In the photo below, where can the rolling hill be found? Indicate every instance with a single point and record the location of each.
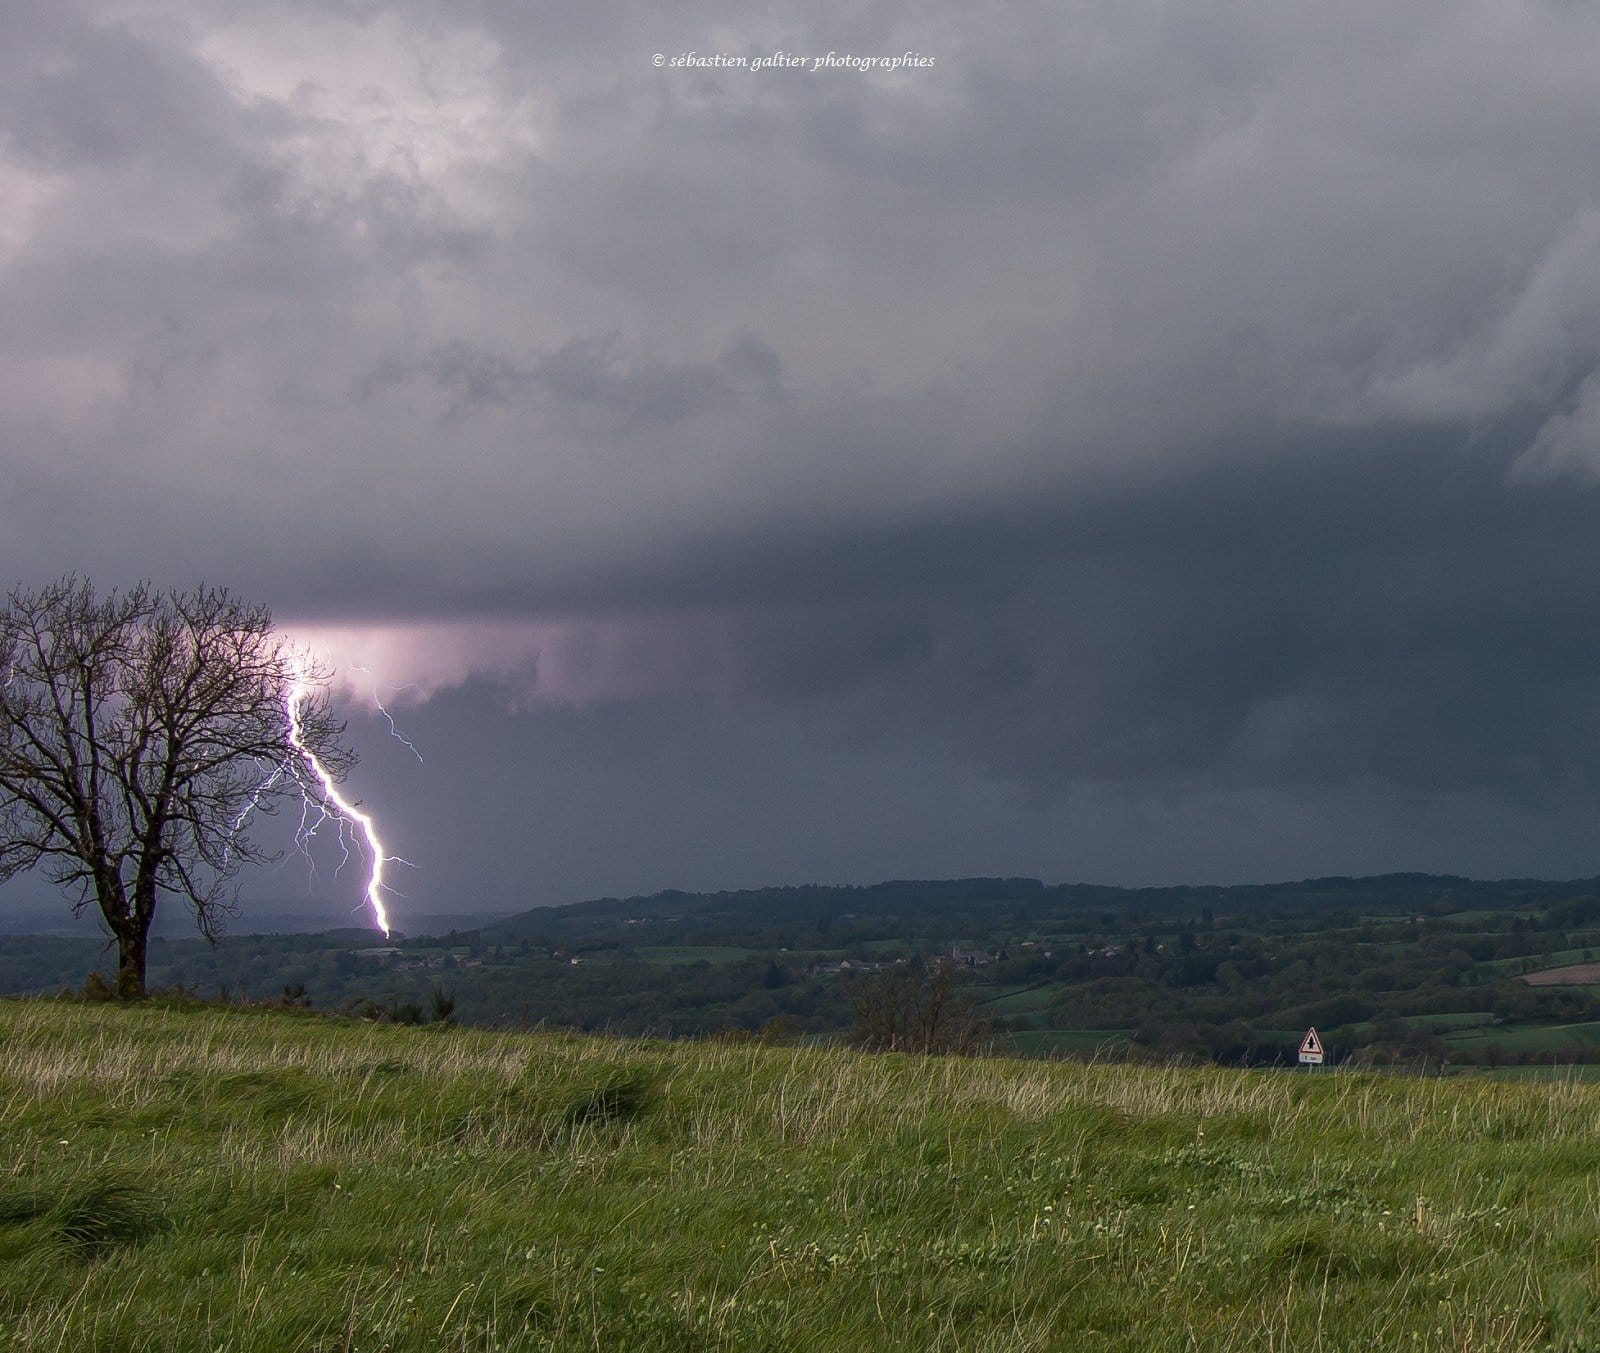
(189, 1177)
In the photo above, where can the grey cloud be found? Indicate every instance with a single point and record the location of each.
(592, 373)
(1192, 400)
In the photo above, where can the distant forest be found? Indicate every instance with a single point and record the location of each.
(1411, 968)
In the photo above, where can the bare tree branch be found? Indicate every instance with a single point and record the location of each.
(910, 1008)
(139, 732)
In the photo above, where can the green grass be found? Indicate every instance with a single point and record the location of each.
(1020, 1000)
(693, 953)
(1488, 914)
(1555, 958)
(1565, 1072)
(1448, 1024)
(248, 1180)
(1535, 1037)
(1464, 1019)
(1042, 1042)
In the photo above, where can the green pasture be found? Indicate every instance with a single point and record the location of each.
(195, 1178)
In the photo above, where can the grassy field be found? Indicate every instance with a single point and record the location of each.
(1528, 1037)
(1581, 1072)
(1021, 1000)
(1465, 1019)
(1043, 1042)
(1555, 958)
(251, 1180)
(1569, 975)
(1462, 1024)
(693, 953)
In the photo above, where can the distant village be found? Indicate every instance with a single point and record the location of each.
(959, 956)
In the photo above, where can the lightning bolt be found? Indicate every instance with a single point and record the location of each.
(384, 710)
(334, 803)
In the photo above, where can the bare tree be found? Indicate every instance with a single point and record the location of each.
(908, 1008)
(139, 731)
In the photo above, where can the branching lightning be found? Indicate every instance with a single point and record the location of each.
(331, 803)
(384, 710)
(320, 799)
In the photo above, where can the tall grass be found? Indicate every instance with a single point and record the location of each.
(205, 1178)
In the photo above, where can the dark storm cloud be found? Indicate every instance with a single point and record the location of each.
(1304, 628)
(1196, 400)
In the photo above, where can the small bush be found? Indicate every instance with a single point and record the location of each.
(405, 1012)
(781, 1031)
(96, 988)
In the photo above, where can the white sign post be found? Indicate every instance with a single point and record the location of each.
(1311, 1049)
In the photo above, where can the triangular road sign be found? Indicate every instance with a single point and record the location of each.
(1311, 1047)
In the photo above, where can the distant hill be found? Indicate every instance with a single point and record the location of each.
(256, 916)
(1423, 968)
(912, 898)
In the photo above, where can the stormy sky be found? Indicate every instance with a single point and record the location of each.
(1147, 443)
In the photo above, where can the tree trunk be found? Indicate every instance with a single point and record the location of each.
(131, 943)
(131, 926)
